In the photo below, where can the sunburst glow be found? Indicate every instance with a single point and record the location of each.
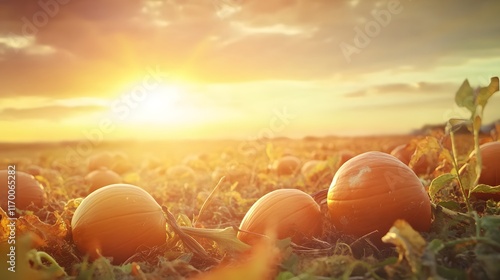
(161, 105)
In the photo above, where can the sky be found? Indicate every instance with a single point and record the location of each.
(162, 69)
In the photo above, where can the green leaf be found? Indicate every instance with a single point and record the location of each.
(225, 238)
(487, 255)
(481, 188)
(454, 125)
(435, 246)
(451, 273)
(440, 182)
(450, 204)
(387, 261)
(465, 96)
(486, 92)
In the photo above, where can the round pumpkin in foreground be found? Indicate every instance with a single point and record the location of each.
(284, 212)
(373, 190)
(117, 221)
(27, 192)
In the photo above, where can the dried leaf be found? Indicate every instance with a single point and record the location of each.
(409, 243)
(485, 93)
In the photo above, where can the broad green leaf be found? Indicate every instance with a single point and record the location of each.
(439, 183)
(450, 204)
(486, 92)
(465, 96)
(491, 224)
(481, 188)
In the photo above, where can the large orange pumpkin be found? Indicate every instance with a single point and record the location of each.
(373, 190)
(102, 177)
(117, 221)
(284, 212)
(28, 191)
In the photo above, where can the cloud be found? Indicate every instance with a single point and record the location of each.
(436, 89)
(99, 49)
(51, 113)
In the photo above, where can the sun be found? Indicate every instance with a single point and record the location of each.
(159, 106)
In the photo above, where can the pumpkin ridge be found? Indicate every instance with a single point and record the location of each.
(267, 209)
(379, 194)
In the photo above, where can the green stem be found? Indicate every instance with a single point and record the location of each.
(479, 161)
(473, 240)
(455, 165)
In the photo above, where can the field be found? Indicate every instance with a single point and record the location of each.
(451, 248)
(421, 206)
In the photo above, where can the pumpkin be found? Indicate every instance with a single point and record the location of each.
(490, 157)
(97, 161)
(373, 190)
(287, 165)
(34, 170)
(117, 221)
(285, 212)
(405, 152)
(101, 177)
(345, 156)
(314, 170)
(490, 172)
(121, 163)
(28, 191)
(180, 172)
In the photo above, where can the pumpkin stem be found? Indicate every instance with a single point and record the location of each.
(207, 201)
